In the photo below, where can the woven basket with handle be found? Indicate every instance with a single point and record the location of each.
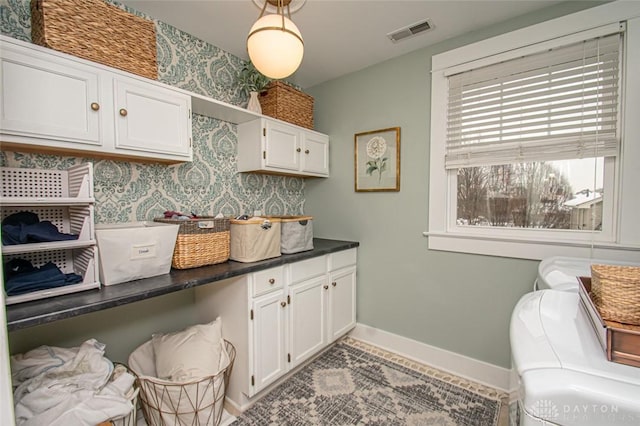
(616, 292)
(98, 32)
(200, 242)
(285, 103)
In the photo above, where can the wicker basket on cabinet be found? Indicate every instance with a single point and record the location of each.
(285, 103)
(98, 32)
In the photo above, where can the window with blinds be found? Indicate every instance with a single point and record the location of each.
(554, 105)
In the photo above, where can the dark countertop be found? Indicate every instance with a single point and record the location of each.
(37, 312)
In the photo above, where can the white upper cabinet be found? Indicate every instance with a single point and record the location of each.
(282, 145)
(151, 119)
(315, 153)
(41, 98)
(272, 146)
(60, 103)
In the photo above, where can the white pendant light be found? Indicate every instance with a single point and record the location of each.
(274, 43)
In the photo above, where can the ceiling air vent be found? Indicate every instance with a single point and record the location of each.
(409, 31)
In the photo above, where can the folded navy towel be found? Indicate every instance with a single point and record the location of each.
(22, 277)
(25, 227)
(27, 218)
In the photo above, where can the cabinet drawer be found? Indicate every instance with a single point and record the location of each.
(268, 280)
(309, 268)
(342, 258)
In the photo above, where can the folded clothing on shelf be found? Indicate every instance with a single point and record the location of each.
(20, 277)
(26, 227)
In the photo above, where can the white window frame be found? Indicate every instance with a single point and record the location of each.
(622, 239)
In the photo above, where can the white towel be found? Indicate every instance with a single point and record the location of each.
(59, 386)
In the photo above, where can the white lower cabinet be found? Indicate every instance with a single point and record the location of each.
(268, 339)
(342, 306)
(307, 319)
(280, 317)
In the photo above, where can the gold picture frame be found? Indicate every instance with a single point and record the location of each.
(377, 160)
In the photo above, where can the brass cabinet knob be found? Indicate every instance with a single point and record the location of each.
(283, 304)
(298, 149)
(306, 151)
(95, 106)
(334, 284)
(272, 281)
(123, 112)
(326, 287)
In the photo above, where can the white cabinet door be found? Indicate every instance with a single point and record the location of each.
(270, 146)
(151, 119)
(306, 319)
(282, 146)
(268, 337)
(315, 153)
(61, 103)
(47, 99)
(342, 302)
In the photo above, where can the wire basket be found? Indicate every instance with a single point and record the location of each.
(616, 292)
(131, 418)
(200, 242)
(197, 403)
(285, 103)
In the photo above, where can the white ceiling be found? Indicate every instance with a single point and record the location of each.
(339, 36)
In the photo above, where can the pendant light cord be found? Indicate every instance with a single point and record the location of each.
(279, 10)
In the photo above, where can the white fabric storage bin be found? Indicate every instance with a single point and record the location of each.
(135, 250)
(296, 234)
(257, 238)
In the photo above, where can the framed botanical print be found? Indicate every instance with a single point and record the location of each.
(377, 160)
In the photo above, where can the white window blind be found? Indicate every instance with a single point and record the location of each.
(558, 104)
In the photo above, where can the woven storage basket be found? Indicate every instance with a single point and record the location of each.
(616, 292)
(97, 31)
(285, 103)
(200, 242)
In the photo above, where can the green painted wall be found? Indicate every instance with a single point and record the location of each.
(461, 303)
(457, 302)
(121, 329)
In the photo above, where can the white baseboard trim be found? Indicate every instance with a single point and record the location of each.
(451, 362)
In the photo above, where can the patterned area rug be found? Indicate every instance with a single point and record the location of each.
(353, 383)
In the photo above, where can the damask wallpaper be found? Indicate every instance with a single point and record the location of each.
(127, 191)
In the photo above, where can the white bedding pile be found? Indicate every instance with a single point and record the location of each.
(58, 386)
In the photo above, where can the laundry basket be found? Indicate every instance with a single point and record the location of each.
(296, 234)
(130, 419)
(198, 402)
(200, 242)
(616, 292)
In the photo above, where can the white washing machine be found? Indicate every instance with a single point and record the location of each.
(563, 375)
(559, 273)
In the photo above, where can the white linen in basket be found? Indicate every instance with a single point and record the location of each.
(188, 354)
(189, 402)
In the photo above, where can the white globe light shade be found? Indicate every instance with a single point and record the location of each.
(274, 52)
